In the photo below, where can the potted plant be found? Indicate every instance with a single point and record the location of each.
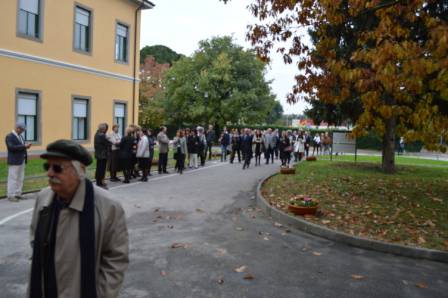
(302, 205)
(287, 170)
(311, 158)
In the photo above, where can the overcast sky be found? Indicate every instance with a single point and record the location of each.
(181, 24)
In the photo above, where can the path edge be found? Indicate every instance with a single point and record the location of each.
(324, 232)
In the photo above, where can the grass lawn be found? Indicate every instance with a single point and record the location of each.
(35, 176)
(399, 159)
(409, 207)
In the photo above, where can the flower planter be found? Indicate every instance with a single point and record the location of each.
(302, 210)
(311, 158)
(288, 171)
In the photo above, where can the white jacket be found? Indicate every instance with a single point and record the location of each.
(143, 147)
(299, 145)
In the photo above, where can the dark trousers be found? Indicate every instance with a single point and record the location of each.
(247, 158)
(269, 154)
(180, 162)
(276, 152)
(114, 163)
(163, 160)
(100, 172)
(202, 156)
(232, 156)
(209, 149)
(144, 164)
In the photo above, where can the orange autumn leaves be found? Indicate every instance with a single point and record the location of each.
(392, 56)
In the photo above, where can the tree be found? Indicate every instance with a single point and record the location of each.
(161, 54)
(151, 111)
(275, 114)
(221, 82)
(389, 56)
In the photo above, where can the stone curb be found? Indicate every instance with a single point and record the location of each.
(321, 231)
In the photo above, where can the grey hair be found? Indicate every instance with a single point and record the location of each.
(79, 168)
(102, 126)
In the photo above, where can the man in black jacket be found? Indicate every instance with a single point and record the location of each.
(210, 136)
(16, 161)
(101, 154)
(246, 147)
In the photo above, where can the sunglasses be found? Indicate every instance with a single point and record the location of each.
(56, 168)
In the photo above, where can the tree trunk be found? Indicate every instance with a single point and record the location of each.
(389, 146)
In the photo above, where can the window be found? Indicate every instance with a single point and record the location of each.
(121, 43)
(82, 29)
(120, 116)
(80, 123)
(27, 113)
(28, 19)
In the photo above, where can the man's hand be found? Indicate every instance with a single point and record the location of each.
(28, 146)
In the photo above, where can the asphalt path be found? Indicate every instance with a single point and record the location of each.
(191, 233)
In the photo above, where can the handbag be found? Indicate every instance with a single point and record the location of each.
(289, 149)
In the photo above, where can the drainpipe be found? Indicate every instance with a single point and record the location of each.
(134, 81)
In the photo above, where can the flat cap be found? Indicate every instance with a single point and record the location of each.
(68, 149)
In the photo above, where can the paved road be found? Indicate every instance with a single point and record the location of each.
(211, 214)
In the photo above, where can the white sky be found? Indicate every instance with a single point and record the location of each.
(181, 24)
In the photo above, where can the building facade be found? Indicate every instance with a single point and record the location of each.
(66, 66)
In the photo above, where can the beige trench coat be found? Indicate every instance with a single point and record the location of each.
(111, 245)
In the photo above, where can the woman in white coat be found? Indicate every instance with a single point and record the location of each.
(143, 154)
(299, 146)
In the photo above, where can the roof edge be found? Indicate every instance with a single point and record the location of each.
(144, 4)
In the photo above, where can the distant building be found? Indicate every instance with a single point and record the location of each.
(67, 66)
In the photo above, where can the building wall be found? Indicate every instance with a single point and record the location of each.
(53, 68)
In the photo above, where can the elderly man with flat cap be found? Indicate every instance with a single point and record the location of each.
(78, 233)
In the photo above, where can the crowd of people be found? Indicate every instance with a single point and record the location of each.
(247, 144)
(133, 153)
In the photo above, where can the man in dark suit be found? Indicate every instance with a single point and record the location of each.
(16, 161)
(101, 145)
(246, 147)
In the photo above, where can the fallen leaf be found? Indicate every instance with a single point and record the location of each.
(241, 269)
(421, 240)
(429, 223)
(170, 227)
(220, 281)
(405, 282)
(266, 238)
(163, 273)
(200, 210)
(180, 245)
(221, 252)
(248, 276)
(421, 285)
(239, 229)
(357, 277)
(278, 225)
(317, 253)
(156, 210)
(137, 206)
(326, 221)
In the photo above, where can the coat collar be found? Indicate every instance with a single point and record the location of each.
(77, 202)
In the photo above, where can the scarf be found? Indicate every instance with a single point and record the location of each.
(43, 275)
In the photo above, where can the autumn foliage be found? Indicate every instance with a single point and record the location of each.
(390, 56)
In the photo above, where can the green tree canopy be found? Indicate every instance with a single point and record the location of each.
(162, 54)
(221, 82)
(275, 114)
